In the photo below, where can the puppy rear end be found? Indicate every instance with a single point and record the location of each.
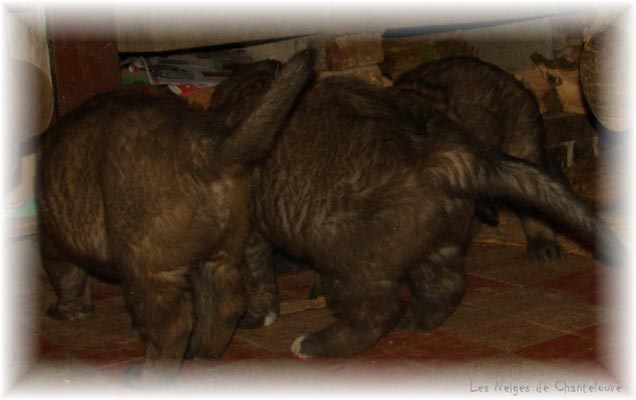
(136, 187)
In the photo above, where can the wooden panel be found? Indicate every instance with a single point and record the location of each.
(83, 62)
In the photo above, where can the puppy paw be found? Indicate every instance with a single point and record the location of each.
(140, 376)
(204, 347)
(297, 348)
(544, 250)
(407, 324)
(270, 319)
(132, 375)
(68, 315)
(418, 319)
(251, 321)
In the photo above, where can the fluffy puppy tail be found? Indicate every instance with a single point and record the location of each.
(253, 137)
(492, 174)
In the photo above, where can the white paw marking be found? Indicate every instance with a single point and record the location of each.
(269, 319)
(295, 347)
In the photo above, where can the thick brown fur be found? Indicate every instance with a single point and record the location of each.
(375, 188)
(233, 99)
(497, 109)
(482, 98)
(147, 190)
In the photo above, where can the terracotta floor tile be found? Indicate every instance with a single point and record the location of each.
(568, 315)
(378, 353)
(96, 340)
(590, 285)
(103, 355)
(79, 341)
(479, 289)
(118, 372)
(377, 372)
(387, 349)
(596, 332)
(522, 300)
(199, 366)
(447, 349)
(369, 358)
(48, 349)
(579, 283)
(611, 333)
(564, 350)
(278, 337)
(467, 318)
(511, 265)
(194, 367)
(295, 285)
(60, 378)
(595, 298)
(90, 331)
(496, 315)
(516, 302)
(236, 376)
(390, 347)
(372, 355)
(510, 334)
(242, 349)
(398, 336)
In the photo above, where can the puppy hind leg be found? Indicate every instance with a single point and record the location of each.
(541, 241)
(162, 310)
(437, 285)
(218, 303)
(317, 289)
(70, 282)
(261, 290)
(364, 311)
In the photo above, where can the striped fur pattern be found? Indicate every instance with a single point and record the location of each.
(493, 106)
(377, 188)
(151, 192)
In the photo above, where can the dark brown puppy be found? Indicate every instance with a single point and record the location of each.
(497, 109)
(147, 190)
(375, 188)
(486, 101)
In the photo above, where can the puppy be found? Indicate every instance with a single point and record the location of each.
(487, 102)
(493, 106)
(144, 189)
(376, 188)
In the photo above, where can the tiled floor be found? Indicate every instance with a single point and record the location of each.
(515, 315)
(520, 323)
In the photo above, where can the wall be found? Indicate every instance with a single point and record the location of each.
(29, 109)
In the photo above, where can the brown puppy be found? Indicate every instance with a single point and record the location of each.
(497, 109)
(487, 102)
(147, 190)
(374, 188)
